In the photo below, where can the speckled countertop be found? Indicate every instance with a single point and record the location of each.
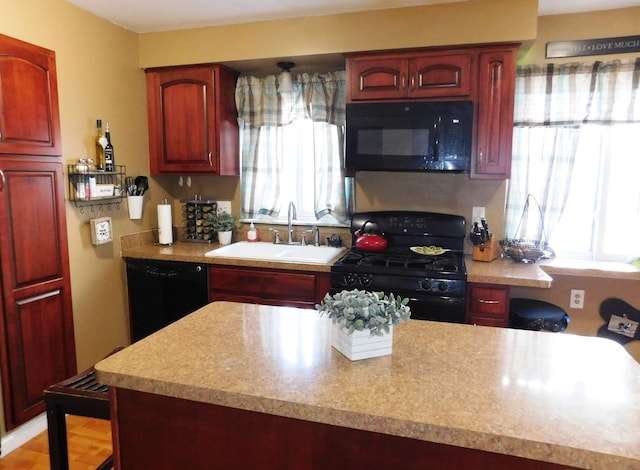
(507, 272)
(561, 398)
(499, 271)
(141, 246)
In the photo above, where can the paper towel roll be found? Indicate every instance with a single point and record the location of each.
(165, 231)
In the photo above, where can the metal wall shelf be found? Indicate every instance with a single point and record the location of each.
(80, 193)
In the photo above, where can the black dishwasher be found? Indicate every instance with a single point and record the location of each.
(161, 292)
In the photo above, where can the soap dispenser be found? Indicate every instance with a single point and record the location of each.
(252, 234)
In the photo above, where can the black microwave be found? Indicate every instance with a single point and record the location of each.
(409, 136)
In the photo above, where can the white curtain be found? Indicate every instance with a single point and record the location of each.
(555, 105)
(264, 115)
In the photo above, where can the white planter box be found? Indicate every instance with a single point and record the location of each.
(359, 344)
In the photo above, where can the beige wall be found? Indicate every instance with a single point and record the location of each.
(594, 25)
(455, 23)
(100, 76)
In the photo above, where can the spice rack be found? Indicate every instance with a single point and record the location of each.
(198, 225)
(107, 186)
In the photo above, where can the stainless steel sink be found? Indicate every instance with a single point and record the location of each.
(276, 252)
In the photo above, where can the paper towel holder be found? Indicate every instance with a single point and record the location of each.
(157, 231)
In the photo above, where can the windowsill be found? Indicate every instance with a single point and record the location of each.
(589, 268)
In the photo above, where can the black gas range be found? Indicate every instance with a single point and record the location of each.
(434, 284)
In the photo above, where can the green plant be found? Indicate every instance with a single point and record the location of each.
(359, 310)
(223, 221)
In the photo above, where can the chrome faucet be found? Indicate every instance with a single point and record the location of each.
(316, 236)
(291, 214)
(276, 236)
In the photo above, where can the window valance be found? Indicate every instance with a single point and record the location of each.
(576, 93)
(319, 97)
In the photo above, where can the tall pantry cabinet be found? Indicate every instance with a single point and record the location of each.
(37, 345)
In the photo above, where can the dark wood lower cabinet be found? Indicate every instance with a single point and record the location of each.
(37, 345)
(153, 431)
(267, 286)
(488, 304)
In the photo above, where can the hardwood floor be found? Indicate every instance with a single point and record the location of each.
(89, 442)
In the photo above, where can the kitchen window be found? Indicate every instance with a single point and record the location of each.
(576, 135)
(292, 149)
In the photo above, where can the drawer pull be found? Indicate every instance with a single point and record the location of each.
(492, 302)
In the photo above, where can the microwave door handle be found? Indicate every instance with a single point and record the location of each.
(436, 144)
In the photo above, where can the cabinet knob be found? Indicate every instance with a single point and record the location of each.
(210, 163)
(2, 180)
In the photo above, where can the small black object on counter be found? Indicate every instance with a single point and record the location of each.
(334, 240)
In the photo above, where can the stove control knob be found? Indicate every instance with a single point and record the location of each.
(442, 286)
(425, 285)
(350, 279)
(365, 279)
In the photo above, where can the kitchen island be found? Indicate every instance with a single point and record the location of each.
(248, 386)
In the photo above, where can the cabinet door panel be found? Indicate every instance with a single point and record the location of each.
(180, 115)
(441, 76)
(373, 78)
(265, 283)
(495, 114)
(193, 126)
(38, 346)
(32, 204)
(29, 120)
(32, 315)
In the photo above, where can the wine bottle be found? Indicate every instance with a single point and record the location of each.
(101, 142)
(109, 162)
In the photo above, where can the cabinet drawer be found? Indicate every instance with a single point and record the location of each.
(263, 283)
(489, 301)
(488, 304)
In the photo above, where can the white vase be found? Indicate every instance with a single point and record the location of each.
(360, 344)
(224, 238)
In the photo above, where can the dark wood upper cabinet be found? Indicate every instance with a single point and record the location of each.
(496, 90)
(417, 75)
(484, 74)
(29, 119)
(193, 124)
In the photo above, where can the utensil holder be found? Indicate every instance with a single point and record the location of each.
(135, 206)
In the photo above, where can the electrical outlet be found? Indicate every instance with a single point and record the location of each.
(577, 298)
(477, 214)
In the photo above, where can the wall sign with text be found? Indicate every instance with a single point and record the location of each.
(583, 47)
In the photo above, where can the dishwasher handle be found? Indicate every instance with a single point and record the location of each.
(168, 270)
